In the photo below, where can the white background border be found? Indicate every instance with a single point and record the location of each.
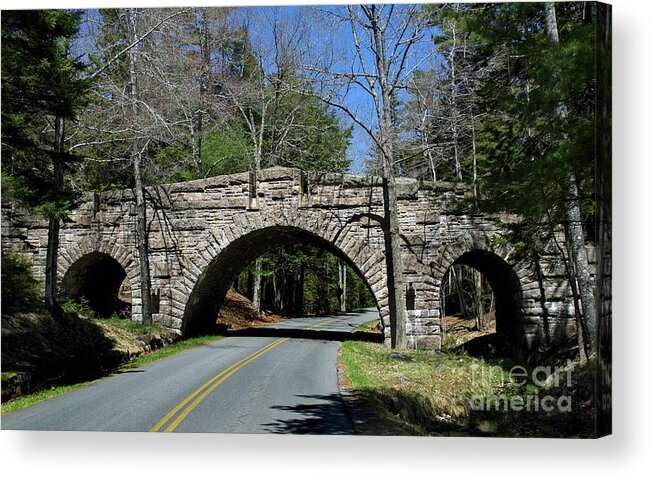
(122, 454)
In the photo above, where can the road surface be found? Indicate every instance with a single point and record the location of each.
(284, 381)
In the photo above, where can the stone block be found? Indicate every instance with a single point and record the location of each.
(161, 269)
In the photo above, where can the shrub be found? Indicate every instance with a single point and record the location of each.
(19, 287)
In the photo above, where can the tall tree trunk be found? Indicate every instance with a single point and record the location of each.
(457, 271)
(54, 223)
(453, 103)
(475, 188)
(478, 281)
(257, 286)
(573, 212)
(579, 257)
(197, 136)
(395, 281)
(196, 132)
(136, 159)
(342, 287)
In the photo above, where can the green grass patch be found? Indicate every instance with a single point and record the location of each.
(131, 327)
(437, 394)
(27, 400)
(419, 386)
(372, 326)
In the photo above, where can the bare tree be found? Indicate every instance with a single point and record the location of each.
(136, 160)
(441, 111)
(382, 38)
(258, 95)
(187, 64)
(129, 115)
(265, 88)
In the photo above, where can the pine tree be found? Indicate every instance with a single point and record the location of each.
(41, 89)
(536, 144)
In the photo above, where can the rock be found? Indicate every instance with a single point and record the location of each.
(15, 384)
(401, 357)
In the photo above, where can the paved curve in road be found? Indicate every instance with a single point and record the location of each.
(240, 384)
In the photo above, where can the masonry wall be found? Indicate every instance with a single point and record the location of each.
(198, 227)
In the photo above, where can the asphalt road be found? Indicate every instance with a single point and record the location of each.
(275, 383)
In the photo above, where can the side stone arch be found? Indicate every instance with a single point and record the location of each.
(513, 281)
(253, 233)
(86, 247)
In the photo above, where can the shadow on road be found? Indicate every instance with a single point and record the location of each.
(327, 417)
(330, 335)
(285, 330)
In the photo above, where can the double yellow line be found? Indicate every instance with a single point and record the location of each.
(196, 397)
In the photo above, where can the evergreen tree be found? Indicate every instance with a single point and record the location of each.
(41, 89)
(535, 140)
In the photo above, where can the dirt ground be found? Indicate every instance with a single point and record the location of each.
(237, 313)
(464, 329)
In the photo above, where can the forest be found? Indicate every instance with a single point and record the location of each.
(501, 97)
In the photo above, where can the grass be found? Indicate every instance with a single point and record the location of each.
(371, 326)
(131, 327)
(176, 348)
(420, 387)
(438, 394)
(27, 400)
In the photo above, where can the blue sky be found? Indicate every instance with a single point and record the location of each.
(421, 55)
(341, 37)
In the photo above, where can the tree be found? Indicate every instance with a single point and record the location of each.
(382, 38)
(128, 113)
(286, 125)
(41, 87)
(535, 140)
(571, 202)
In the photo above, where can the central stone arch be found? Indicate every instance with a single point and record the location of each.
(231, 248)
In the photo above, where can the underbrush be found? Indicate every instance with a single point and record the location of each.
(456, 394)
(44, 355)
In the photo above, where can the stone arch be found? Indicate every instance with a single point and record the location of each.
(207, 274)
(510, 280)
(95, 270)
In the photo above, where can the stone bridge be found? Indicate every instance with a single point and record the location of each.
(202, 233)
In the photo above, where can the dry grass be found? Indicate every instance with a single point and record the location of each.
(237, 313)
(433, 394)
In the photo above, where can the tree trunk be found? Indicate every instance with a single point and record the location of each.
(478, 281)
(257, 286)
(457, 271)
(475, 188)
(54, 223)
(453, 101)
(197, 153)
(196, 132)
(581, 339)
(579, 257)
(141, 212)
(573, 213)
(342, 287)
(395, 280)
